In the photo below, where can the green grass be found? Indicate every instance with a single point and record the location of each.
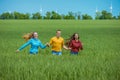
(100, 59)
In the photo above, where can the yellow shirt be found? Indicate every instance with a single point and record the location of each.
(57, 43)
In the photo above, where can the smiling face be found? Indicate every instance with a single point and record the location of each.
(76, 36)
(35, 35)
(58, 33)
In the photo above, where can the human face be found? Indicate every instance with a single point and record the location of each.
(58, 34)
(35, 34)
(76, 36)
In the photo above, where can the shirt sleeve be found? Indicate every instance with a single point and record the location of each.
(70, 44)
(81, 46)
(50, 41)
(42, 46)
(62, 42)
(25, 45)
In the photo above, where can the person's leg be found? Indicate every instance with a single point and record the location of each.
(54, 53)
(73, 53)
(31, 53)
(59, 53)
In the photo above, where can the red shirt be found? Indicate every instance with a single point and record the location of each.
(75, 45)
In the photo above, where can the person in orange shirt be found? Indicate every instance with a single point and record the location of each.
(57, 43)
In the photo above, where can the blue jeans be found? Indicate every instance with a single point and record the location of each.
(74, 53)
(34, 53)
(56, 52)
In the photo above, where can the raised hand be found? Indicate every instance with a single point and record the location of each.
(17, 51)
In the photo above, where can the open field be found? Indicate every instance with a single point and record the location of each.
(100, 59)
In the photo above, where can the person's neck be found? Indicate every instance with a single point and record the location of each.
(58, 36)
(35, 38)
(76, 39)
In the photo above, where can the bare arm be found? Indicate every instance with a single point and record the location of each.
(66, 47)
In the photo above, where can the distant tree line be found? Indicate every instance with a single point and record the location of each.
(54, 15)
(105, 15)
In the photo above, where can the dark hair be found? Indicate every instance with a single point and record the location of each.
(73, 36)
(58, 30)
(68, 41)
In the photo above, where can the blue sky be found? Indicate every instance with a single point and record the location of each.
(61, 6)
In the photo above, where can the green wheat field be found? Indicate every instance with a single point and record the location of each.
(100, 59)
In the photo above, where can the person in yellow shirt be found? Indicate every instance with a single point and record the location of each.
(57, 43)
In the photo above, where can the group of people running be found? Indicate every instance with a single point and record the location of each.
(57, 43)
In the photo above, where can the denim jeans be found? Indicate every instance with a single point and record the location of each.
(34, 53)
(74, 53)
(56, 53)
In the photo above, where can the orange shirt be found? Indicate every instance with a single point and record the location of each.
(57, 43)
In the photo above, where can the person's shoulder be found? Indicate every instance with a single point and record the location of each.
(33, 39)
(53, 37)
(30, 39)
(79, 41)
(61, 38)
(39, 40)
(73, 40)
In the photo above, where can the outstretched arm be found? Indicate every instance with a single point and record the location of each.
(42, 46)
(23, 46)
(66, 47)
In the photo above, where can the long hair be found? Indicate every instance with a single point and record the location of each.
(68, 41)
(28, 36)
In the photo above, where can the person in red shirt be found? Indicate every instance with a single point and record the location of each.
(75, 44)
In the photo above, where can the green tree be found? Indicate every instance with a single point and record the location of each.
(70, 15)
(27, 16)
(109, 16)
(16, 15)
(78, 15)
(119, 16)
(55, 15)
(114, 17)
(48, 15)
(86, 17)
(21, 16)
(36, 15)
(106, 15)
(6, 15)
